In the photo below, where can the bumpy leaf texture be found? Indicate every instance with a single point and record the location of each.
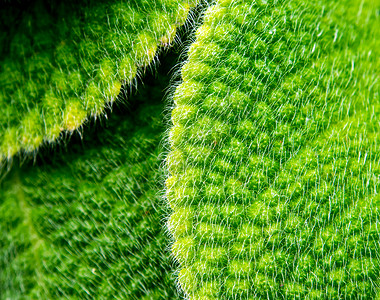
(63, 61)
(273, 167)
(275, 155)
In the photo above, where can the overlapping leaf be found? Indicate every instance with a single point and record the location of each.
(63, 61)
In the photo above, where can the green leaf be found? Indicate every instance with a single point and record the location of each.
(284, 101)
(64, 62)
(86, 222)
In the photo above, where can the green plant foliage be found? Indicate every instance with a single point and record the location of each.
(274, 163)
(62, 62)
(87, 223)
(273, 170)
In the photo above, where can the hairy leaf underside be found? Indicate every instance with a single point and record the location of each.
(274, 160)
